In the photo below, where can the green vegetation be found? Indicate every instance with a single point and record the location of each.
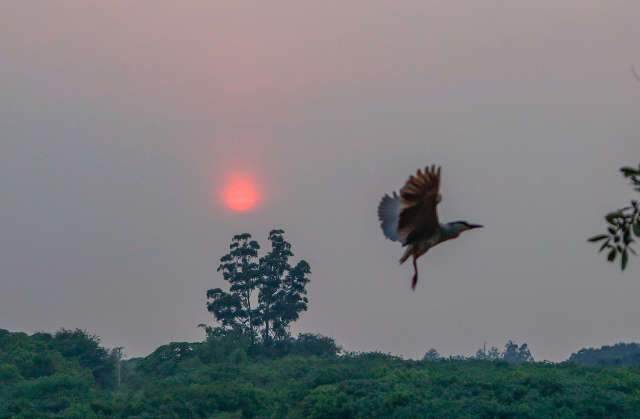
(58, 375)
(67, 375)
(512, 354)
(618, 354)
(622, 225)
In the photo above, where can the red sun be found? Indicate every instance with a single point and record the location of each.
(241, 194)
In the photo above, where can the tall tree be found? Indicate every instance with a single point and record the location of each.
(292, 298)
(516, 355)
(431, 355)
(235, 310)
(623, 224)
(493, 354)
(281, 289)
(273, 270)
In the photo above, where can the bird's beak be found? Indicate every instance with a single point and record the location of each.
(472, 226)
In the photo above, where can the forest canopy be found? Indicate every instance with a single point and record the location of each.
(70, 375)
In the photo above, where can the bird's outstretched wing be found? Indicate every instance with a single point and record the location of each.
(419, 198)
(389, 216)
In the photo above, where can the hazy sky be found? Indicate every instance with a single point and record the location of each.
(120, 121)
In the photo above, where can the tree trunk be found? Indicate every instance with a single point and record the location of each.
(248, 297)
(267, 338)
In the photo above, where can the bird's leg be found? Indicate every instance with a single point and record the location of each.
(414, 280)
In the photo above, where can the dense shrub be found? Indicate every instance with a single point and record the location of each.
(54, 376)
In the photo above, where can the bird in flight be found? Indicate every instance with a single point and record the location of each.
(411, 218)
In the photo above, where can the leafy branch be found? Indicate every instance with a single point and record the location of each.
(623, 225)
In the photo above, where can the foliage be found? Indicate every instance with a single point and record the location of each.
(431, 355)
(219, 344)
(378, 385)
(493, 354)
(273, 267)
(87, 350)
(623, 225)
(227, 377)
(280, 288)
(618, 354)
(234, 309)
(164, 360)
(309, 344)
(58, 375)
(515, 354)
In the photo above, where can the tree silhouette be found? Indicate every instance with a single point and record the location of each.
(431, 355)
(292, 298)
(622, 225)
(281, 289)
(273, 268)
(516, 355)
(234, 310)
(493, 354)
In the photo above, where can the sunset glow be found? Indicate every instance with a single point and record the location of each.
(241, 194)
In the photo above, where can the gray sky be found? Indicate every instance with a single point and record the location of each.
(121, 121)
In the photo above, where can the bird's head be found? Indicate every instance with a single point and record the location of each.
(461, 226)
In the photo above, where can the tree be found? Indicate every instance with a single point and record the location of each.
(273, 268)
(524, 353)
(314, 344)
(281, 289)
(117, 355)
(516, 355)
(165, 359)
(90, 354)
(493, 354)
(618, 354)
(431, 355)
(234, 310)
(292, 298)
(623, 224)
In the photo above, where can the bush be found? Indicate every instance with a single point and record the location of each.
(313, 344)
(9, 374)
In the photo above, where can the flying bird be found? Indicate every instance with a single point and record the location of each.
(411, 218)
